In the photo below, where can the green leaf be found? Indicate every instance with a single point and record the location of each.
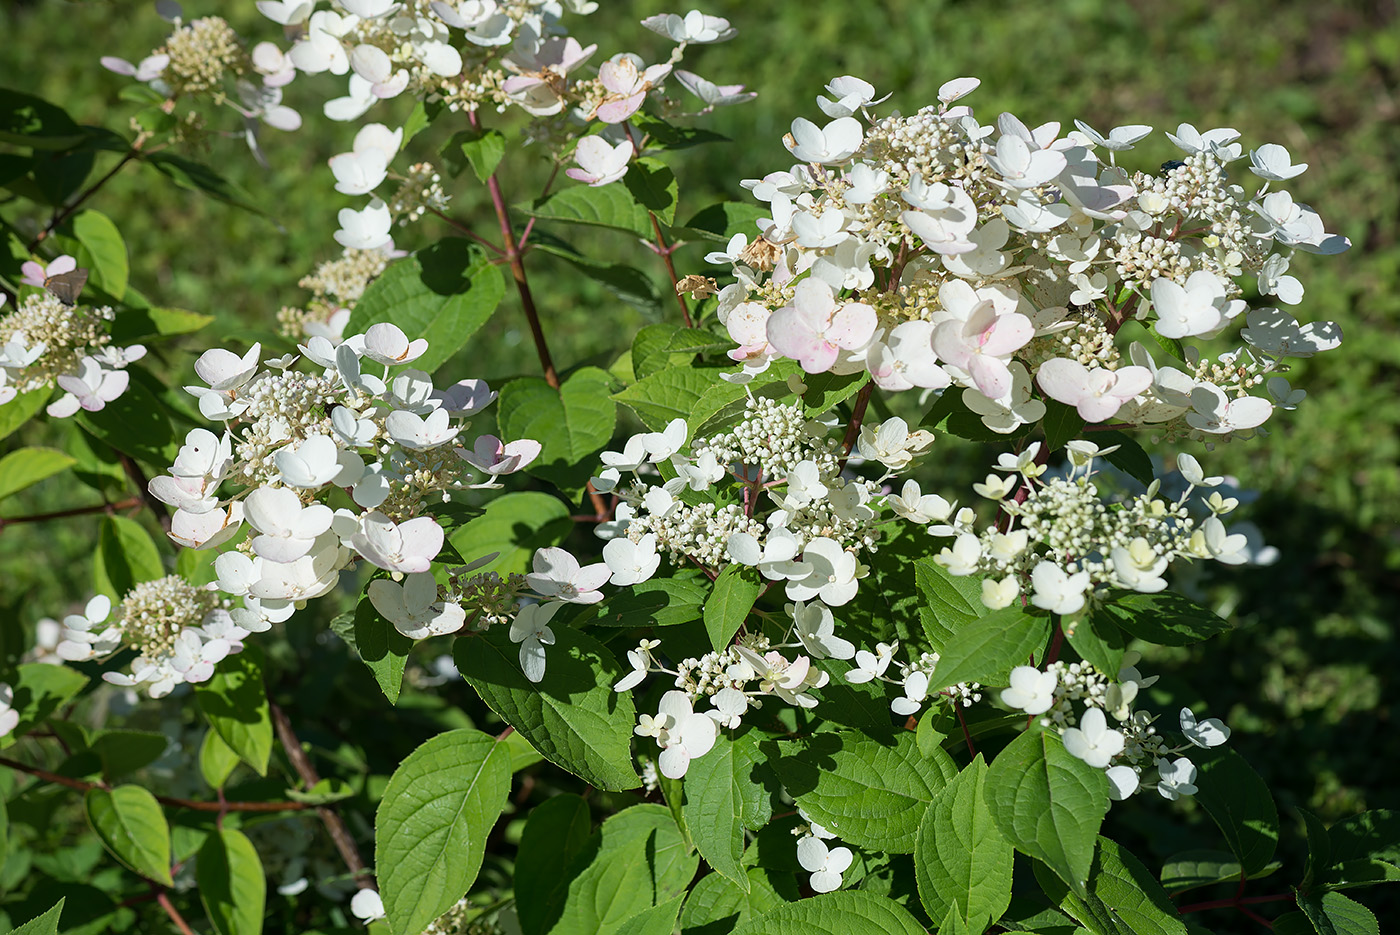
(1335, 914)
(717, 787)
(571, 423)
(611, 206)
(573, 717)
(232, 884)
(1373, 835)
(431, 827)
(132, 324)
(628, 283)
(1319, 847)
(637, 860)
(482, 149)
(39, 691)
(950, 604)
(21, 409)
(197, 177)
(825, 390)
(132, 827)
(382, 648)
(27, 466)
(668, 394)
(4, 832)
(1130, 458)
(851, 912)
(1048, 804)
(961, 861)
(951, 415)
(658, 920)
(1349, 873)
(420, 118)
(1122, 898)
(987, 651)
(868, 793)
(46, 924)
(235, 704)
(26, 120)
(1191, 869)
(1061, 424)
(1240, 802)
(716, 906)
(670, 136)
(721, 221)
(657, 602)
(443, 293)
(103, 252)
(515, 525)
(1167, 618)
(323, 793)
(556, 832)
(216, 759)
(651, 350)
(136, 423)
(652, 183)
(123, 751)
(729, 605)
(126, 556)
(1099, 642)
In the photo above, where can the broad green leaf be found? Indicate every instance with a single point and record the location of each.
(825, 390)
(716, 906)
(1167, 618)
(1360, 872)
(443, 293)
(729, 604)
(851, 912)
(611, 206)
(235, 704)
(1319, 847)
(123, 751)
(949, 603)
(46, 924)
(668, 394)
(134, 323)
(198, 177)
(861, 706)
(1335, 914)
(1048, 803)
(481, 149)
(658, 602)
(126, 556)
(1191, 869)
(232, 884)
(868, 793)
(961, 861)
(1373, 835)
(21, 409)
(522, 755)
(103, 252)
(26, 120)
(671, 136)
(323, 792)
(721, 221)
(421, 117)
(132, 827)
(951, 415)
(1099, 642)
(136, 423)
(431, 827)
(653, 185)
(1241, 804)
(27, 466)
(514, 525)
(39, 691)
(573, 717)
(571, 423)
(628, 283)
(658, 920)
(1061, 424)
(216, 759)
(1122, 897)
(382, 648)
(651, 351)
(4, 833)
(717, 786)
(1130, 458)
(556, 832)
(986, 651)
(637, 860)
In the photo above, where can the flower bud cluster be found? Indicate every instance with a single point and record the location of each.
(336, 285)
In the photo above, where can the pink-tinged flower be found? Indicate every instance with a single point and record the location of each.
(557, 574)
(627, 86)
(981, 345)
(149, 68)
(91, 388)
(747, 323)
(542, 70)
(600, 163)
(905, 359)
(713, 95)
(407, 547)
(813, 330)
(36, 274)
(413, 607)
(490, 455)
(1097, 394)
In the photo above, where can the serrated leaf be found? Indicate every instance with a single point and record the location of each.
(28, 466)
(1048, 804)
(481, 149)
(232, 884)
(868, 793)
(1371, 835)
(651, 350)
(1319, 847)
(136, 423)
(1061, 424)
(658, 920)
(950, 604)
(1241, 804)
(1361, 872)
(986, 651)
(1130, 458)
(21, 409)
(431, 827)
(961, 861)
(124, 751)
(637, 860)
(668, 394)
(1167, 618)
(443, 293)
(381, 647)
(850, 912)
(825, 390)
(103, 252)
(1099, 642)
(1122, 897)
(653, 184)
(657, 602)
(611, 206)
(132, 827)
(719, 222)
(46, 924)
(628, 283)
(39, 690)
(571, 423)
(26, 120)
(556, 832)
(729, 604)
(717, 785)
(235, 704)
(126, 556)
(716, 906)
(1190, 869)
(573, 718)
(514, 525)
(216, 759)
(197, 177)
(1335, 914)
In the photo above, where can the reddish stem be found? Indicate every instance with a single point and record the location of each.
(108, 508)
(1234, 902)
(853, 430)
(170, 910)
(664, 251)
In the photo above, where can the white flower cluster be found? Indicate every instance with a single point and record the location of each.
(178, 631)
(290, 438)
(913, 678)
(9, 717)
(49, 340)
(336, 286)
(933, 251)
(1131, 751)
(1059, 539)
